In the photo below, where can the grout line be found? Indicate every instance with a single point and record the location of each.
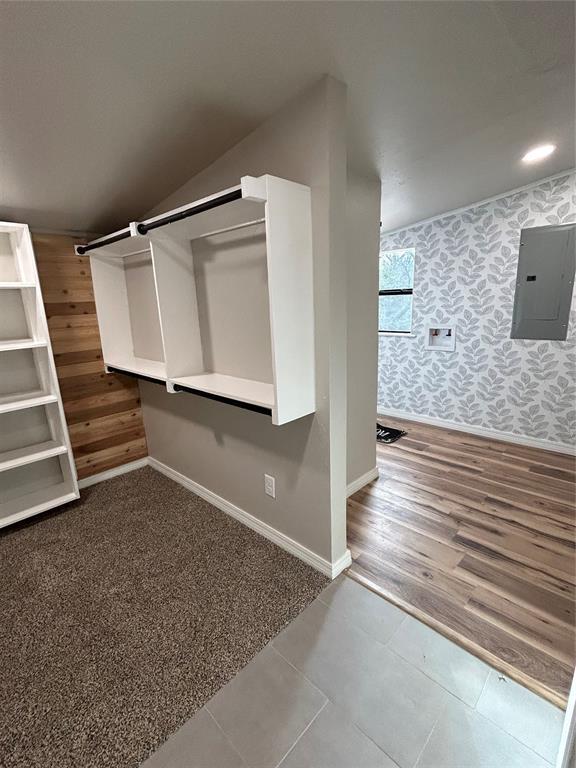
(398, 628)
(367, 735)
(325, 704)
(344, 615)
(428, 738)
(510, 735)
(300, 672)
(217, 724)
(398, 655)
(342, 708)
(475, 707)
(450, 693)
(437, 682)
(335, 704)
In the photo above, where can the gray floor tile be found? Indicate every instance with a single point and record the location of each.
(332, 741)
(527, 717)
(265, 708)
(391, 701)
(198, 744)
(463, 738)
(454, 668)
(366, 610)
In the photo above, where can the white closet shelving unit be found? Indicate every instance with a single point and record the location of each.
(37, 469)
(215, 298)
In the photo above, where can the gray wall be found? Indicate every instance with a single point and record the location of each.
(226, 449)
(465, 273)
(363, 216)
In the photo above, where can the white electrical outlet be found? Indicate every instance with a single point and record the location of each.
(270, 485)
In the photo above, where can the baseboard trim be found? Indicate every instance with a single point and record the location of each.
(114, 472)
(507, 437)
(360, 482)
(285, 542)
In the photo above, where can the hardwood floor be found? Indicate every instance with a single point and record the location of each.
(476, 537)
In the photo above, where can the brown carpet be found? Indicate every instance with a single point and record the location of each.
(124, 613)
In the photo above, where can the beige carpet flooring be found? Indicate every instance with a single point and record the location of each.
(123, 613)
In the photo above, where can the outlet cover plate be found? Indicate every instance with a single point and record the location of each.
(270, 485)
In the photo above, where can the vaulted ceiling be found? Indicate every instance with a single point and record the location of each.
(106, 108)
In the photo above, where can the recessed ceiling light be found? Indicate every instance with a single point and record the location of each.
(541, 152)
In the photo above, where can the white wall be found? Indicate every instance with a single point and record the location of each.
(226, 449)
(363, 217)
(465, 274)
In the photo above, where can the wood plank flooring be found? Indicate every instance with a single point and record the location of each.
(476, 537)
(102, 410)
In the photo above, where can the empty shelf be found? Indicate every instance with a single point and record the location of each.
(30, 454)
(15, 284)
(35, 502)
(244, 390)
(141, 366)
(8, 404)
(8, 346)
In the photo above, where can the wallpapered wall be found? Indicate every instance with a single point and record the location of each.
(465, 274)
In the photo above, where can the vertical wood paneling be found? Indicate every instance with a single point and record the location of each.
(102, 410)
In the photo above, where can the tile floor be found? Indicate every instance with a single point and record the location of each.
(354, 682)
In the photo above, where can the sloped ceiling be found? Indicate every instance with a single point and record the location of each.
(106, 108)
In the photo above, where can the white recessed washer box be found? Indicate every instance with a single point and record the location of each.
(441, 338)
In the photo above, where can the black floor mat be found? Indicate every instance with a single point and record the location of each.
(386, 434)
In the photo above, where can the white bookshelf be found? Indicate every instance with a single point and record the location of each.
(36, 464)
(217, 303)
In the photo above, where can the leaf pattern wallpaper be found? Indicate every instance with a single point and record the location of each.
(465, 275)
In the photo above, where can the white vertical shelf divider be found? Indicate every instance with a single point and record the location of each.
(178, 305)
(37, 470)
(290, 287)
(160, 332)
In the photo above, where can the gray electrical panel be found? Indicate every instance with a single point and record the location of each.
(544, 283)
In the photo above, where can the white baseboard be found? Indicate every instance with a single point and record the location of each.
(114, 472)
(361, 481)
(495, 434)
(331, 569)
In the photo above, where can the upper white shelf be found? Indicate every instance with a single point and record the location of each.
(257, 393)
(28, 455)
(9, 346)
(216, 297)
(10, 285)
(8, 404)
(153, 369)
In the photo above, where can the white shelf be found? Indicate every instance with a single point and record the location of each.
(36, 502)
(30, 454)
(19, 403)
(243, 390)
(9, 346)
(141, 366)
(10, 286)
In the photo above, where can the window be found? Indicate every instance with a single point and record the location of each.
(396, 284)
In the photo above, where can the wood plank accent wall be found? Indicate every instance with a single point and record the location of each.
(102, 410)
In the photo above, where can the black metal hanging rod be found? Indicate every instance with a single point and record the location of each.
(146, 226)
(82, 249)
(216, 202)
(132, 375)
(222, 399)
(191, 390)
